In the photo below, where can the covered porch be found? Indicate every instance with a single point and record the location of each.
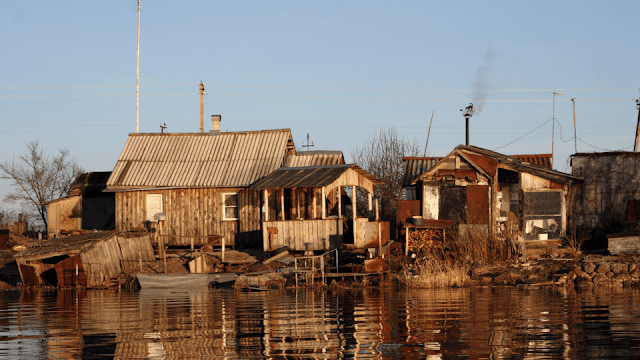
(307, 208)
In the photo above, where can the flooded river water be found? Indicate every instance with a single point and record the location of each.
(372, 323)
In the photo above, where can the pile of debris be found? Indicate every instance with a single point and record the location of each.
(425, 240)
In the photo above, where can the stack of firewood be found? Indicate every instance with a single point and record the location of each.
(425, 239)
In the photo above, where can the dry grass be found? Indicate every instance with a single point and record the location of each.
(575, 241)
(451, 266)
(432, 272)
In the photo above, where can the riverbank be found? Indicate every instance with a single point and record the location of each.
(478, 263)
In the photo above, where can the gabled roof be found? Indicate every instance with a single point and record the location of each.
(314, 177)
(315, 158)
(416, 166)
(487, 162)
(229, 159)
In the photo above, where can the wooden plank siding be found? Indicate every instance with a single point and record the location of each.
(324, 234)
(193, 213)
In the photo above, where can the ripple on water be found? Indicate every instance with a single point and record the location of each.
(497, 322)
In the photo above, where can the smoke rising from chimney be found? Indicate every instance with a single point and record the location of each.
(480, 85)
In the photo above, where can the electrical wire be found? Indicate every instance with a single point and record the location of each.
(595, 147)
(311, 88)
(539, 126)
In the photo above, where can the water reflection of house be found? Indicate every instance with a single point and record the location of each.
(86, 207)
(475, 187)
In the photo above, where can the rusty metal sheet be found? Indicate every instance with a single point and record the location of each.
(4, 239)
(374, 265)
(29, 276)
(633, 210)
(66, 272)
(477, 204)
(371, 234)
(405, 209)
(486, 163)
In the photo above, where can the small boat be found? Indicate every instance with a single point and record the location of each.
(186, 280)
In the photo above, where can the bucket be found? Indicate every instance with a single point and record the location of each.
(417, 220)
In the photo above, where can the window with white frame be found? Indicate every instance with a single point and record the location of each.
(230, 202)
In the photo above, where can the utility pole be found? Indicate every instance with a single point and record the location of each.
(553, 131)
(635, 146)
(138, 76)
(201, 107)
(575, 136)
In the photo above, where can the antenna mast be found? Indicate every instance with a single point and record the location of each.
(201, 107)
(138, 76)
(308, 145)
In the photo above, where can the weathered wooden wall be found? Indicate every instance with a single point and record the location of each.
(110, 257)
(193, 214)
(64, 215)
(324, 234)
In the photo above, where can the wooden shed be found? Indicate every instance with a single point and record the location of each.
(302, 208)
(199, 181)
(499, 194)
(86, 207)
(83, 260)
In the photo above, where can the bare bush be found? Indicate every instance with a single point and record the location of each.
(37, 178)
(381, 156)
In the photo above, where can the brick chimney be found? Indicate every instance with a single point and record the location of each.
(215, 121)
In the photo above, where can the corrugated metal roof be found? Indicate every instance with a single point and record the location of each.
(315, 158)
(230, 159)
(517, 164)
(308, 177)
(538, 159)
(416, 166)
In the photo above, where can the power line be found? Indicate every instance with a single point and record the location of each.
(312, 88)
(595, 147)
(539, 126)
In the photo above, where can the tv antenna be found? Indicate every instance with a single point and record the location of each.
(162, 127)
(308, 145)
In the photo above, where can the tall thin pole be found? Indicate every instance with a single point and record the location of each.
(201, 108)
(138, 76)
(553, 131)
(428, 134)
(575, 134)
(635, 146)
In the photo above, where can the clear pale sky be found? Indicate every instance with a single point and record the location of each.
(338, 70)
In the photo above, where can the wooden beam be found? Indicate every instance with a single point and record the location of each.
(324, 204)
(353, 212)
(282, 203)
(377, 210)
(339, 192)
(369, 201)
(315, 216)
(265, 195)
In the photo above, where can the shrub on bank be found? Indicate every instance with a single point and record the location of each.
(451, 264)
